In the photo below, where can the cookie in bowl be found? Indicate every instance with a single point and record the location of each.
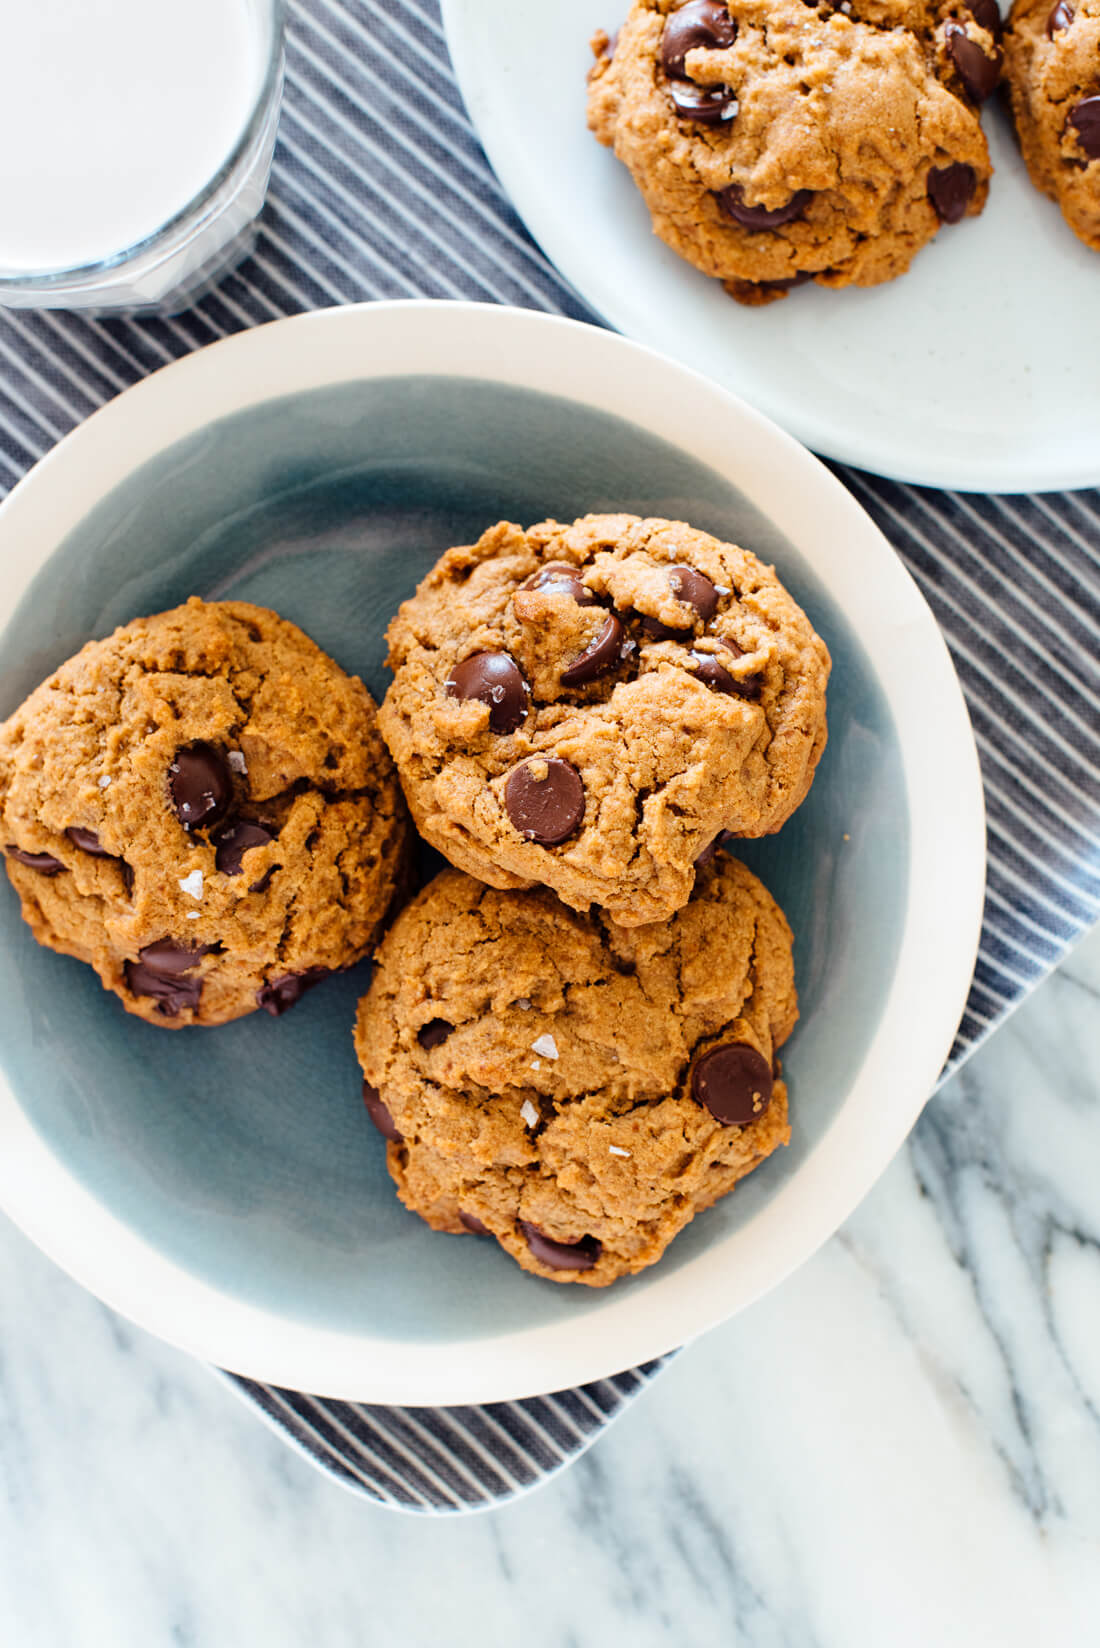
(1053, 55)
(589, 706)
(780, 141)
(201, 808)
(575, 1089)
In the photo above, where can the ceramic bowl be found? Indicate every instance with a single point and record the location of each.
(224, 1188)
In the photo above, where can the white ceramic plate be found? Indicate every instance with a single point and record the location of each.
(976, 370)
(223, 1187)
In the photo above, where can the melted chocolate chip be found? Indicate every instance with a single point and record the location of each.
(1084, 117)
(559, 578)
(434, 1033)
(602, 653)
(127, 876)
(264, 882)
(580, 1255)
(734, 1082)
(987, 15)
(87, 841)
(160, 972)
(278, 995)
(1061, 16)
(700, 23)
(951, 189)
(696, 589)
(657, 631)
(712, 674)
(732, 202)
(45, 863)
(201, 785)
(473, 1224)
(496, 680)
(705, 105)
(978, 73)
(235, 839)
(544, 798)
(379, 1114)
(712, 849)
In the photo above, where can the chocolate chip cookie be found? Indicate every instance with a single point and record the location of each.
(781, 141)
(590, 706)
(575, 1089)
(201, 808)
(1053, 57)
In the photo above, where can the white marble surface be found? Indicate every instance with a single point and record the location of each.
(899, 1447)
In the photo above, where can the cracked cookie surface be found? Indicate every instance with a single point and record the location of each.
(201, 808)
(589, 706)
(776, 141)
(575, 1089)
(1053, 66)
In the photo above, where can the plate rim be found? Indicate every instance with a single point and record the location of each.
(553, 355)
(599, 296)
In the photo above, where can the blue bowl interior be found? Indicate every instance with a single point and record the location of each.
(244, 1153)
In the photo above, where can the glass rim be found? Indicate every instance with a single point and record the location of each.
(171, 229)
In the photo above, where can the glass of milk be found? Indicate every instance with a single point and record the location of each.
(135, 147)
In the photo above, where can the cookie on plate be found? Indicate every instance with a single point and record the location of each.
(201, 808)
(1053, 66)
(590, 706)
(577, 1090)
(780, 141)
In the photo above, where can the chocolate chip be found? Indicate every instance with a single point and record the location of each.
(544, 798)
(710, 672)
(45, 863)
(712, 849)
(159, 973)
(951, 189)
(496, 680)
(580, 1255)
(235, 839)
(201, 783)
(601, 654)
(261, 886)
(987, 16)
(87, 841)
(657, 631)
(434, 1032)
(978, 73)
(379, 1114)
(706, 105)
(732, 202)
(473, 1224)
(696, 589)
(734, 1082)
(1084, 117)
(559, 578)
(278, 995)
(1061, 16)
(700, 23)
(127, 876)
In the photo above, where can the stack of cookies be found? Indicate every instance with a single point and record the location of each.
(570, 1038)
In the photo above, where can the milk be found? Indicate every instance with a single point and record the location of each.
(114, 114)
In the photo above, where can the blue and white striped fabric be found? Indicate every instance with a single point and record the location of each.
(380, 190)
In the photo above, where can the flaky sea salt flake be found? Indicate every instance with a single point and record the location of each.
(523, 1004)
(192, 884)
(529, 1113)
(104, 781)
(546, 1046)
(617, 1150)
(237, 761)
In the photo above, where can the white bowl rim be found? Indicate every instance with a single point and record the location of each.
(526, 348)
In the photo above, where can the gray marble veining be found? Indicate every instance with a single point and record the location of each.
(901, 1446)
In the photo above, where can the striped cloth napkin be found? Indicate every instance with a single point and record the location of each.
(380, 190)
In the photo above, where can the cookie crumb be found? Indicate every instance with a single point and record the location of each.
(546, 1046)
(529, 1113)
(192, 884)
